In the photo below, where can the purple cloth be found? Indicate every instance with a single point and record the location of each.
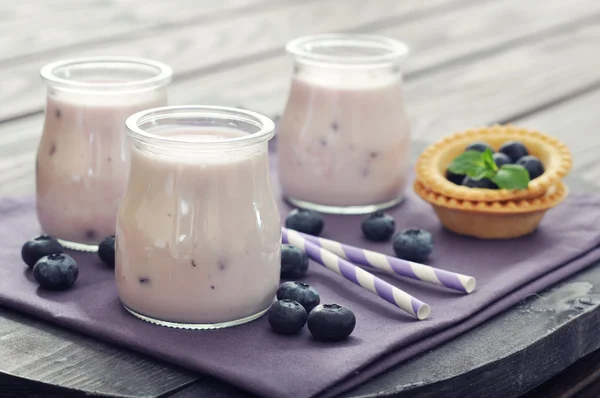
(255, 359)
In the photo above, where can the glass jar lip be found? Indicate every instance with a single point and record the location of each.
(302, 48)
(163, 76)
(266, 126)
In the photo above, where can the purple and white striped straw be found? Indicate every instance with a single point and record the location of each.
(396, 266)
(358, 276)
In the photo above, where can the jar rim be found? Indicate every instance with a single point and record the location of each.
(263, 123)
(303, 48)
(163, 76)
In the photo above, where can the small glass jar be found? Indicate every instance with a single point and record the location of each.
(198, 231)
(83, 155)
(343, 141)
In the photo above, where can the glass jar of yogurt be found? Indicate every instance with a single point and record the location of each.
(198, 230)
(83, 156)
(343, 140)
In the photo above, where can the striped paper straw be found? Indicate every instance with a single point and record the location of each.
(396, 266)
(358, 276)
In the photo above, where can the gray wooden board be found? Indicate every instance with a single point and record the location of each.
(35, 27)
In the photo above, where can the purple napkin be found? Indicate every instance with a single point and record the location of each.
(255, 359)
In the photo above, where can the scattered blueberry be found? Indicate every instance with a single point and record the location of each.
(331, 322)
(479, 146)
(483, 183)
(39, 247)
(378, 227)
(287, 316)
(514, 149)
(56, 271)
(106, 251)
(533, 165)
(307, 221)
(294, 262)
(413, 244)
(303, 293)
(454, 178)
(501, 159)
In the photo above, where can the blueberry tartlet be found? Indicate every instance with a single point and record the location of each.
(510, 178)
(546, 159)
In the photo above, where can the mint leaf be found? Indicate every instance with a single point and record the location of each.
(478, 165)
(469, 163)
(483, 172)
(511, 176)
(488, 159)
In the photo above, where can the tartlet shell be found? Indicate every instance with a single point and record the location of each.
(432, 163)
(498, 220)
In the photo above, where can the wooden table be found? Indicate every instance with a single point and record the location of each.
(473, 62)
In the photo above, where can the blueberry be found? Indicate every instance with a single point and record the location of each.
(479, 146)
(106, 251)
(454, 178)
(378, 227)
(294, 262)
(514, 150)
(483, 183)
(501, 159)
(533, 165)
(307, 221)
(413, 245)
(303, 293)
(56, 271)
(287, 316)
(39, 247)
(331, 322)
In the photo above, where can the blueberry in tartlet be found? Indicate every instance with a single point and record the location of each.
(479, 146)
(482, 183)
(533, 165)
(515, 150)
(454, 178)
(501, 159)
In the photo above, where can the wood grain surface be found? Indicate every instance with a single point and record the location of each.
(47, 26)
(472, 63)
(219, 44)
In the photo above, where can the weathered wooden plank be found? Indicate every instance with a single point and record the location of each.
(460, 30)
(576, 122)
(60, 24)
(582, 380)
(34, 349)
